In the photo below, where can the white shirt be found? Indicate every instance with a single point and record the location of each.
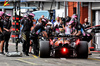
(67, 30)
(56, 23)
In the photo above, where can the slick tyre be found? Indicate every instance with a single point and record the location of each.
(82, 50)
(44, 49)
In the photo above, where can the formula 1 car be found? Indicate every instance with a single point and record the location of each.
(63, 45)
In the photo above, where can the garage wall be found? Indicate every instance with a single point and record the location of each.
(98, 34)
(96, 6)
(60, 13)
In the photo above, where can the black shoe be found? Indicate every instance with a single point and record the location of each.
(24, 53)
(27, 54)
(2, 53)
(30, 53)
(90, 54)
(37, 54)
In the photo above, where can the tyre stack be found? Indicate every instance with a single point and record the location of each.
(15, 29)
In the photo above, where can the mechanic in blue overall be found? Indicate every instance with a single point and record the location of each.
(1, 33)
(78, 30)
(27, 24)
(7, 31)
(35, 32)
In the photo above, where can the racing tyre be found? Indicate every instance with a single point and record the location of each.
(82, 50)
(44, 49)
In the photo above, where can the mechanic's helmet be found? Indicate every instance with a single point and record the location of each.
(0, 16)
(31, 14)
(74, 16)
(72, 22)
(25, 16)
(44, 21)
(1, 13)
(8, 15)
(67, 19)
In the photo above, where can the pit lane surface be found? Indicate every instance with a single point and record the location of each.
(32, 60)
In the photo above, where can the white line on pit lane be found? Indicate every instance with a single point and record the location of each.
(97, 57)
(63, 58)
(19, 44)
(96, 54)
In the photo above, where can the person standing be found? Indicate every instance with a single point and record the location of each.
(7, 32)
(56, 26)
(53, 21)
(57, 23)
(86, 23)
(34, 34)
(67, 29)
(79, 31)
(34, 24)
(42, 16)
(1, 35)
(27, 24)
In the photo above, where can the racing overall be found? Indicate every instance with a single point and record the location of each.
(84, 35)
(7, 25)
(1, 36)
(87, 25)
(49, 30)
(1, 26)
(27, 24)
(34, 36)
